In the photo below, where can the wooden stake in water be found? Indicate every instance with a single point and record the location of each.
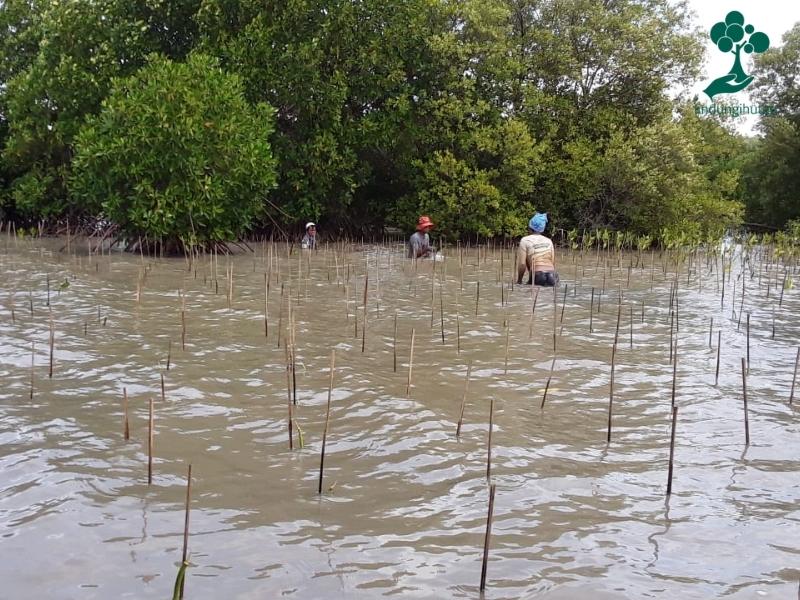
(744, 395)
(671, 333)
(794, 377)
(52, 343)
(169, 354)
(327, 420)
(184, 555)
(364, 326)
(183, 329)
(394, 345)
(748, 342)
(33, 360)
(719, 350)
(489, 441)
(549, 378)
(672, 448)
(289, 394)
(674, 374)
(463, 400)
(126, 429)
(591, 311)
(266, 305)
(611, 391)
(631, 326)
(477, 297)
(150, 440)
(488, 536)
(441, 309)
(410, 365)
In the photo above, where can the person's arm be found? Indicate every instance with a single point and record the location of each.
(522, 263)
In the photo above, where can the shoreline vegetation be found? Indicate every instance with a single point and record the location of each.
(200, 123)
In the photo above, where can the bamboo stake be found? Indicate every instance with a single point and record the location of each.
(183, 329)
(748, 342)
(327, 420)
(489, 441)
(33, 360)
(266, 305)
(719, 350)
(126, 429)
(394, 345)
(289, 395)
(477, 297)
(280, 313)
(591, 311)
(410, 365)
(744, 395)
(533, 311)
(184, 555)
(555, 314)
(547, 385)
(488, 536)
(611, 392)
(672, 449)
(794, 377)
(169, 354)
(463, 400)
(671, 333)
(150, 440)
(163, 395)
(441, 308)
(52, 343)
(364, 325)
(674, 374)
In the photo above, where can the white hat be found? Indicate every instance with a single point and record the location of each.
(309, 224)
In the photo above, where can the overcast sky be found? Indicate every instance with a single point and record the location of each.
(773, 17)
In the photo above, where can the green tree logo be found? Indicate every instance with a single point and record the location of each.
(733, 36)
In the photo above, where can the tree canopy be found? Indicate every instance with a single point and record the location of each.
(476, 112)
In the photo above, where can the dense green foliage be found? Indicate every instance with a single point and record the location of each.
(176, 154)
(476, 112)
(771, 170)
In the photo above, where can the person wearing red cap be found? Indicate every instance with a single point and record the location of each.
(419, 245)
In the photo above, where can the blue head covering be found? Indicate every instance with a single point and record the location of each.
(538, 222)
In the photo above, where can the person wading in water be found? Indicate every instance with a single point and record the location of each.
(419, 245)
(537, 255)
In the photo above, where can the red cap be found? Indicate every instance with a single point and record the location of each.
(424, 221)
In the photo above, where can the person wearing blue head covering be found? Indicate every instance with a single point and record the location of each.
(536, 254)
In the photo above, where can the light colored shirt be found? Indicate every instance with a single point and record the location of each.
(419, 244)
(308, 241)
(537, 252)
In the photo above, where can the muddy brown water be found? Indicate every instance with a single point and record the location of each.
(404, 508)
